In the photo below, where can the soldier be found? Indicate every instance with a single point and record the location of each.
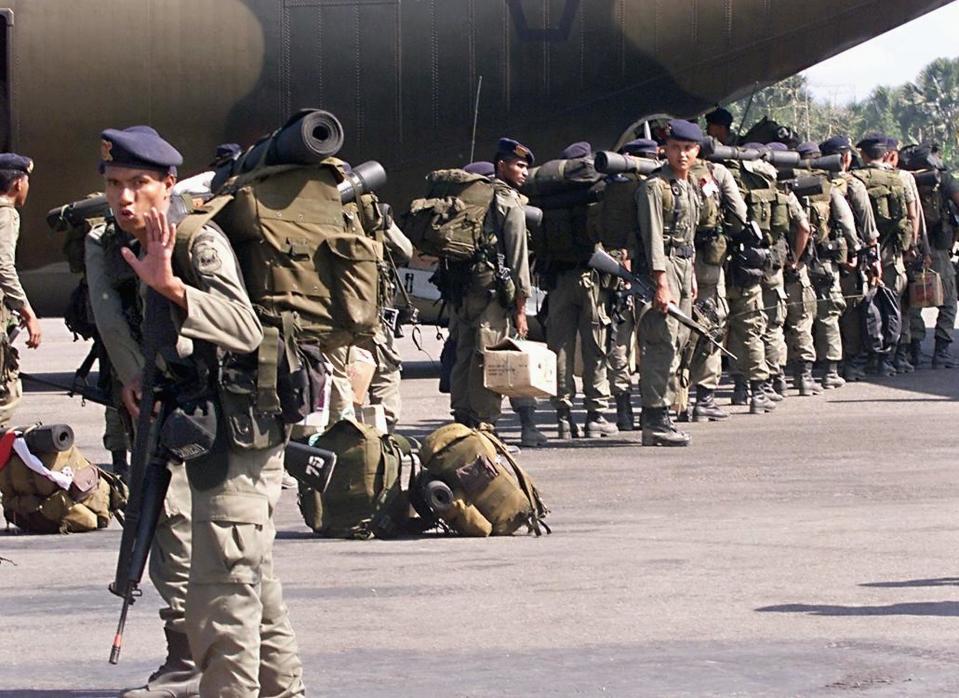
(668, 205)
(484, 317)
(850, 280)
(721, 199)
(14, 187)
(577, 308)
(939, 199)
(238, 627)
(621, 193)
(894, 208)
(718, 124)
(834, 239)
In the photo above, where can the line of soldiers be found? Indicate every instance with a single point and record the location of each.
(791, 267)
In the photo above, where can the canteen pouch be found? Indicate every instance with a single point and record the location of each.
(711, 246)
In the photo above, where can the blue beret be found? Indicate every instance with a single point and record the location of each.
(719, 116)
(481, 167)
(19, 163)
(872, 139)
(834, 145)
(641, 146)
(682, 130)
(139, 147)
(776, 145)
(509, 149)
(580, 149)
(228, 150)
(808, 149)
(892, 143)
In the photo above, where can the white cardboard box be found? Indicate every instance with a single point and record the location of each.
(518, 368)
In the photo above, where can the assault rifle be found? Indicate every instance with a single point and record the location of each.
(643, 290)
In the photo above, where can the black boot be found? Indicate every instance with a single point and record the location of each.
(121, 466)
(778, 383)
(915, 352)
(854, 368)
(740, 391)
(942, 358)
(177, 677)
(530, 436)
(658, 430)
(761, 403)
(565, 424)
(625, 419)
(901, 361)
(706, 408)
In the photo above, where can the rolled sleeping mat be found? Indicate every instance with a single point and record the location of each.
(568, 199)
(807, 185)
(830, 163)
(782, 158)
(362, 179)
(534, 216)
(49, 438)
(74, 213)
(439, 496)
(308, 137)
(610, 163)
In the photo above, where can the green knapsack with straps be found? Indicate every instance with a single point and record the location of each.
(448, 222)
(887, 194)
(365, 497)
(474, 484)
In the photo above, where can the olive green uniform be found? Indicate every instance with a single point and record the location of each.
(669, 210)
(850, 322)
(13, 300)
(800, 297)
(831, 303)
(107, 273)
(481, 319)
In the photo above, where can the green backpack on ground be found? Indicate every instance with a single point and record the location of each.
(472, 482)
(448, 221)
(364, 497)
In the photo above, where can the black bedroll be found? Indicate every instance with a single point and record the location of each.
(610, 163)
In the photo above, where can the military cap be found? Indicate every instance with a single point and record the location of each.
(139, 147)
(641, 146)
(580, 149)
(892, 143)
(19, 163)
(481, 167)
(228, 150)
(776, 145)
(872, 139)
(509, 149)
(808, 150)
(835, 144)
(719, 116)
(682, 130)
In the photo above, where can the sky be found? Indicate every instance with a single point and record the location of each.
(890, 59)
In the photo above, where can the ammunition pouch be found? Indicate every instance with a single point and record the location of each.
(831, 249)
(820, 276)
(711, 246)
(301, 387)
(246, 426)
(746, 267)
(778, 251)
(190, 432)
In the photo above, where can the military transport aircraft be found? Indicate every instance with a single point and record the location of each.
(418, 84)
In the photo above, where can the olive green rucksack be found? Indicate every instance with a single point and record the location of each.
(36, 504)
(364, 497)
(887, 194)
(448, 221)
(308, 266)
(470, 480)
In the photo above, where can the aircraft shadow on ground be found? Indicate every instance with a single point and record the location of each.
(920, 608)
(938, 582)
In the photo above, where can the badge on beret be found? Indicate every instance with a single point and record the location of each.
(105, 150)
(29, 166)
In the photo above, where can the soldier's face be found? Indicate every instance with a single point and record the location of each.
(717, 131)
(132, 192)
(681, 155)
(20, 189)
(513, 171)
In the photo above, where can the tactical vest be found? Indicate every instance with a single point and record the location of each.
(711, 242)
(934, 203)
(449, 221)
(887, 195)
(765, 204)
(489, 493)
(564, 235)
(819, 210)
(38, 505)
(616, 223)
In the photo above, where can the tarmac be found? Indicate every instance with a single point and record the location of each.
(808, 552)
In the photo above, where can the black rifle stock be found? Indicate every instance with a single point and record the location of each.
(641, 288)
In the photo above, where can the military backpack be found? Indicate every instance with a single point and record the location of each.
(887, 195)
(617, 223)
(475, 486)
(449, 221)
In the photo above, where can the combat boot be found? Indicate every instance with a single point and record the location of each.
(740, 391)
(530, 436)
(915, 352)
(121, 466)
(706, 408)
(805, 383)
(625, 419)
(565, 424)
(900, 361)
(177, 677)
(853, 368)
(884, 367)
(760, 403)
(778, 383)
(831, 378)
(942, 357)
(772, 392)
(658, 430)
(597, 425)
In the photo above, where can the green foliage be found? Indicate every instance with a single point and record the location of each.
(926, 109)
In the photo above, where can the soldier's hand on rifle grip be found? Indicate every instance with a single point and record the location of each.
(131, 394)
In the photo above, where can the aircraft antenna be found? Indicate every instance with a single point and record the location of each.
(479, 87)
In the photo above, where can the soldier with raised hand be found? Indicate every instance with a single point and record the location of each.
(669, 205)
(237, 623)
(15, 307)
(485, 316)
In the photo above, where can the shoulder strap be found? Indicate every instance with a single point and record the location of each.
(536, 520)
(187, 230)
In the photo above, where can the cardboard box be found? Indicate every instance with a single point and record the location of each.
(517, 368)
